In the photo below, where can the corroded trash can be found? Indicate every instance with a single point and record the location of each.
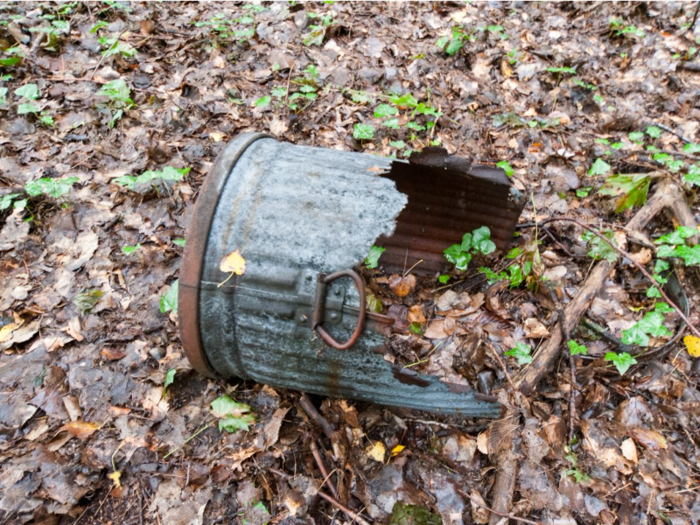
(303, 218)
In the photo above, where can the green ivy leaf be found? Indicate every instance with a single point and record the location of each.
(653, 132)
(467, 243)
(169, 378)
(443, 278)
(599, 167)
(398, 144)
(576, 348)
(385, 110)
(363, 131)
(521, 352)
(168, 302)
(454, 45)
(28, 91)
(263, 102)
(52, 187)
(179, 242)
(225, 406)
(234, 424)
(506, 167)
(691, 148)
(6, 200)
(622, 361)
(481, 240)
(372, 260)
(633, 188)
(128, 250)
(27, 108)
(392, 123)
(690, 255)
(636, 136)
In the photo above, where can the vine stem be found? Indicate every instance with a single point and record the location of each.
(628, 256)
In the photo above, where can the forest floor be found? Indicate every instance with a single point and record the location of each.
(111, 115)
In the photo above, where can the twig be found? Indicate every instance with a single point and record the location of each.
(322, 467)
(672, 131)
(695, 17)
(349, 513)
(501, 363)
(104, 55)
(640, 267)
(311, 411)
(198, 432)
(501, 514)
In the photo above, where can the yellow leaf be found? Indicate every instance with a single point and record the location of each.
(377, 451)
(6, 331)
(80, 429)
(233, 262)
(116, 477)
(692, 343)
(397, 450)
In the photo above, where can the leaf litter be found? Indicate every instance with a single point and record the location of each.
(585, 109)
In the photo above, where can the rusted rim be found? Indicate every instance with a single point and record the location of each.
(195, 250)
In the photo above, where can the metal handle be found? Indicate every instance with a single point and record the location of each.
(320, 304)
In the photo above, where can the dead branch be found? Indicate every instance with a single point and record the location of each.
(501, 514)
(315, 416)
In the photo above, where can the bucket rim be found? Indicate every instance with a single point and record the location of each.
(197, 236)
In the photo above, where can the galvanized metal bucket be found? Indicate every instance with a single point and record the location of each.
(303, 218)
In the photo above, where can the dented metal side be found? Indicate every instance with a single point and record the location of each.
(295, 212)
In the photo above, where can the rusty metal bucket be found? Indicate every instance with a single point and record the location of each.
(303, 218)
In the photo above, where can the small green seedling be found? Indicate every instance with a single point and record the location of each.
(55, 188)
(363, 131)
(599, 167)
(598, 248)
(169, 380)
(619, 29)
(128, 250)
(11, 56)
(579, 477)
(505, 166)
(521, 352)
(652, 324)
(452, 44)
(118, 99)
(562, 70)
(168, 301)
(179, 242)
(54, 32)
(479, 241)
(113, 46)
(622, 361)
(674, 245)
(576, 349)
(317, 32)
(372, 260)
(148, 178)
(443, 279)
(232, 416)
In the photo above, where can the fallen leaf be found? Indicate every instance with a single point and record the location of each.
(436, 330)
(118, 411)
(692, 343)
(479, 513)
(6, 331)
(416, 315)
(116, 477)
(649, 439)
(376, 169)
(643, 256)
(397, 450)
(112, 354)
(79, 429)
(402, 286)
(377, 451)
(482, 442)
(535, 329)
(629, 450)
(233, 262)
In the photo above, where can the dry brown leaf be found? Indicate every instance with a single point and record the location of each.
(479, 513)
(416, 315)
(112, 354)
(376, 169)
(118, 411)
(402, 286)
(482, 442)
(79, 429)
(643, 256)
(436, 330)
(377, 451)
(629, 450)
(649, 439)
(535, 329)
